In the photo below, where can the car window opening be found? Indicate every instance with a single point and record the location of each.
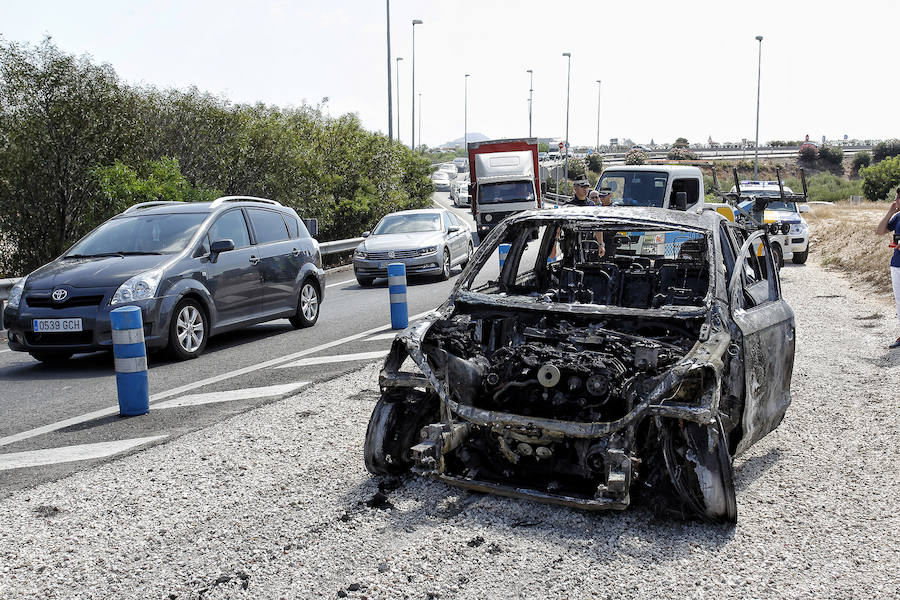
(592, 264)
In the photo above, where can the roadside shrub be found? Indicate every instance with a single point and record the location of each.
(595, 163)
(827, 187)
(635, 157)
(885, 149)
(577, 168)
(879, 180)
(808, 154)
(831, 155)
(680, 153)
(860, 160)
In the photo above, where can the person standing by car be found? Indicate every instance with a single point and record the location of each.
(581, 187)
(891, 222)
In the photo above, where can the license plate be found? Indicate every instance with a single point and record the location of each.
(56, 325)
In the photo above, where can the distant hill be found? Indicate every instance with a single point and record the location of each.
(474, 136)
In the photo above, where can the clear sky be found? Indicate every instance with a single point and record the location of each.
(668, 69)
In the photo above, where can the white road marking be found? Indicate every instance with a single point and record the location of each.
(272, 391)
(51, 456)
(340, 283)
(24, 435)
(338, 358)
(7, 350)
(382, 336)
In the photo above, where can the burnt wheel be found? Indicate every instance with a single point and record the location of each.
(703, 478)
(394, 428)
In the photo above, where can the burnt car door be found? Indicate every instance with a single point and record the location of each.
(766, 323)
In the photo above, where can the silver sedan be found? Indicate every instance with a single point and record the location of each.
(428, 242)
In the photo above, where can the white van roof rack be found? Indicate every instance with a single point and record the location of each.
(224, 199)
(141, 205)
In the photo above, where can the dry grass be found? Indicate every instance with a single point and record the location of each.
(843, 237)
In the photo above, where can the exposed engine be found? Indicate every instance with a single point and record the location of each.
(551, 369)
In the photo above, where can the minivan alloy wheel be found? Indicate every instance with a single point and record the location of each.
(189, 328)
(309, 302)
(307, 305)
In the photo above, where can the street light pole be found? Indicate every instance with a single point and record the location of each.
(530, 97)
(598, 117)
(420, 119)
(759, 39)
(413, 139)
(465, 114)
(568, 55)
(390, 100)
(399, 58)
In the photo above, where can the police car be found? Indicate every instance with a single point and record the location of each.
(796, 242)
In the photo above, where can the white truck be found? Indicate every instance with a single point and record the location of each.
(678, 187)
(504, 179)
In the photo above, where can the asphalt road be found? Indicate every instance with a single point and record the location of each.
(253, 366)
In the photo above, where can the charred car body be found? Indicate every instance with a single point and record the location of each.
(583, 373)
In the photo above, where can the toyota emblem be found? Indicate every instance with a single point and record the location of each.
(59, 295)
(391, 254)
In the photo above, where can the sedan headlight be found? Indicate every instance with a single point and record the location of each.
(139, 287)
(15, 294)
(428, 250)
(359, 253)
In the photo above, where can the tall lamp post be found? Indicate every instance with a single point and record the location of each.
(465, 114)
(390, 101)
(568, 55)
(530, 97)
(399, 58)
(413, 139)
(598, 117)
(420, 119)
(756, 144)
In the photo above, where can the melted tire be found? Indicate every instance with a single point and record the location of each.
(703, 479)
(394, 428)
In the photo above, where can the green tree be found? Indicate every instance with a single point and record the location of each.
(120, 186)
(860, 160)
(595, 162)
(59, 117)
(885, 149)
(831, 155)
(681, 143)
(880, 179)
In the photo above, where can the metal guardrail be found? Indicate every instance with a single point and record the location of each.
(338, 246)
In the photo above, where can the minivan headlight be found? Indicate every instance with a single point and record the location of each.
(15, 294)
(139, 287)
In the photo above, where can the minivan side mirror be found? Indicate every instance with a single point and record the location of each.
(220, 246)
(680, 200)
(366, 233)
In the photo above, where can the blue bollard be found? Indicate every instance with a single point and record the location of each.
(131, 361)
(397, 289)
(504, 250)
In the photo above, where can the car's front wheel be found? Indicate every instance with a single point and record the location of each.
(445, 270)
(700, 469)
(397, 419)
(188, 330)
(364, 281)
(800, 257)
(307, 306)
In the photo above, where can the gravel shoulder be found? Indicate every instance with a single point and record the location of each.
(276, 503)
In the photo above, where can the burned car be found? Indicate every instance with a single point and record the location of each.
(612, 354)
